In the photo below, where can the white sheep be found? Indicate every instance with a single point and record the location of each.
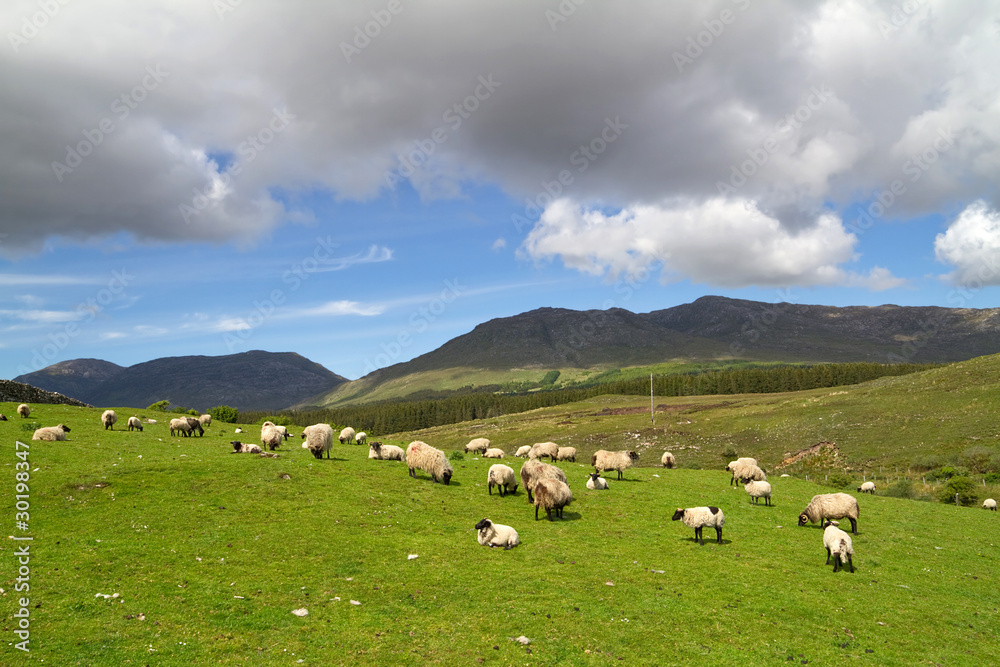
(24, 410)
(361, 438)
(867, 487)
(493, 453)
(270, 435)
(108, 419)
(522, 452)
(667, 460)
(497, 535)
(51, 433)
(534, 470)
(619, 461)
(831, 506)
(206, 420)
(503, 478)
(382, 452)
(134, 424)
(990, 504)
(180, 425)
(318, 439)
(430, 460)
(596, 482)
(736, 468)
(477, 445)
(566, 454)
(347, 435)
(540, 449)
(757, 490)
(838, 544)
(552, 495)
(238, 430)
(245, 447)
(699, 517)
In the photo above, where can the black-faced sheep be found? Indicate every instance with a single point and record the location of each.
(195, 425)
(503, 478)
(699, 517)
(23, 410)
(540, 449)
(134, 424)
(596, 482)
(667, 460)
(382, 452)
(108, 419)
(534, 470)
(245, 447)
(477, 446)
(831, 506)
(990, 504)
(361, 438)
(318, 439)
(838, 544)
(566, 454)
(51, 433)
(430, 460)
(552, 495)
(757, 490)
(3, 417)
(737, 468)
(618, 461)
(867, 487)
(347, 435)
(497, 535)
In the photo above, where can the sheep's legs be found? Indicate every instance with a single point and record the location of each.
(718, 534)
(854, 525)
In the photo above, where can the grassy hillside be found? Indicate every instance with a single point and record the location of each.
(210, 552)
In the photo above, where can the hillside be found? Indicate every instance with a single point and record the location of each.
(19, 392)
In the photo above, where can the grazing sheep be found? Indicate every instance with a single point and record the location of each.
(493, 453)
(361, 438)
(668, 460)
(699, 517)
(540, 449)
(3, 417)
(134, 424)
(990, 504)
(245, 447)
(108, 419)
(477, 445)
(430, 460)
(522, 452)
(270, 436)
(497, 535)
(195, 425)
(838, 544)
(758, 490)
(386, 452)
(605, 460)
(347, 435)
(503, 478)
(23, 410)
(737, 467)
(553, 495)
(180, 425)
(51, 433)
(534, 470)
(867, 487)
(596, 482)
(206, 420)
(566, 454)
(831, 506)
(318, 439)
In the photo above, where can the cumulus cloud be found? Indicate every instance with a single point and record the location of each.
(972, 245)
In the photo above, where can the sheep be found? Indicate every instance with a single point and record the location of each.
(477, 445)
(245, 447)
(238, 430)
(699, 517)
(534, 470)
(522, 452)
(502, 477)
(108, 419)
(270, 435)
(736, 468)
(361, 438)
(540, 449)
(757, 490)
(285, 435)
(180, 425)
(867, 487)
(3, 417)
(382, 452)
(990, 504)
(195, 425)
(347, 435)
(831, 506)
(430, 460)
(318, 439)
(24, 410)
(838, 544)
(493, 453)
(206, 420)
(552, 494)
(51, 433)
(566, 454)
(497, 535)
(596, 482)
(605, 460)
(134, 424)
(667, 460)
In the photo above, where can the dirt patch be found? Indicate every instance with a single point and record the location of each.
(819, 448)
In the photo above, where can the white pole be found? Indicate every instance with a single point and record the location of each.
(652, 415)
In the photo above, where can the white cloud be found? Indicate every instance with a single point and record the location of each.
(972, 245)
(499, 244)
(375, 254)
(43, 316)
(25, 279)
(112, 335)
(335, 309)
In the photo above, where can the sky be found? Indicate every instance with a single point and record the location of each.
(360, 182)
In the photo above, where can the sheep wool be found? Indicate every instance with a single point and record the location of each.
(180, 425)
(134, 424)
(318, 439)
(552, 495)
(51, 433)
(540, 449)
(831, 506)
(477, 445)
(245, 447)
(430, 460)
(619, 461)
(108, 419)
(667, 460)
(205, 419)
(522, 452)
(699, 517)
(270, 436)
(990, 504)
(867, 487)
(838, 544)
(757, 490)
(361, 438)
(596, 482)
(503, 478)
(534, 470)
(195, 425)
(497, 535)
(347, 435)
(382, 452)
(566, 454)
(738, 467)
(493, 453)
(24, 410)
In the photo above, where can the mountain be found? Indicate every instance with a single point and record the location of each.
(18, 392)
(253, 380)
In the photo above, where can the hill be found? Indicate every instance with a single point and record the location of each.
(19, 392)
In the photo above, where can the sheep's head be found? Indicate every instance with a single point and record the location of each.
(803, 519)
(634, 456)
(678, 515)
(377, 446)
(237, 445)
(485, 523)
(317, 453)
(447, 476)
(303, 435)
(595, 476)
(64, 427)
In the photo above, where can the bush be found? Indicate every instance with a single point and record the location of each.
(159, 406)
(30, 427)
(224, 413)
(993, 478)
(963, 486)
(456, 456)
(977, 459)
(729, 453)
(839, 480)
(901, 489)
(925, 463)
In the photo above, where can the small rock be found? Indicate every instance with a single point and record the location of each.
(609, 583)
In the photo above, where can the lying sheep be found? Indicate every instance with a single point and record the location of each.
(24, 410)
(867, 487)
(382, 452)
(245, 447)
(737, 468)
(108, 419)
(667, 460)
(503, 478)
(566, 454)
(3, 417)
(238, 430)
(206, 420)
(347, 435)
(361, 438)
(540, 449)
(270, 435)
(51, 433)
(493, 453)
(430, 460)
(699, 517)
(534, 470)
(990, 504)
(180, 425)
(134, 424)
(497, 535)
(838, 544)
(596, 482)
(522, 452)
(757, 490)
(477, 445)
(318, 439)
(619, 461)
(552, 495)
(831, 506)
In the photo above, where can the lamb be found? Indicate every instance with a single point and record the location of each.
(497, 535)
(596, 482)
(736, 468)
(605, 460)
(477, 445)
(493, 453)
(503, 478)
(318, 439)
(990, 504)
(758, 490)
(238, 430)
(699, 517)
(361, 438)
(668, 460)
(382, 452)
(24, 410)
(195, 425)
(180, 425)
(51, 433)
(347, 435)
(831, 506)
(270, 435)
(245, 447)
(206, 420)
(566, 454)
(430, 460)
(134, 424)
(108, 419)
(540, 449)
(867, 487)
(553, 495)
(838, 544)
(522, 452)
(534, 470)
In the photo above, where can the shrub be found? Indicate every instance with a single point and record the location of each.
(224, 413)
(901, 489)
(993, 478)
(159, 406)
(456, 456)
(963, 486)
(977, 459)
(925, 463)
(839, 480)
(729, 453)
(30, 427)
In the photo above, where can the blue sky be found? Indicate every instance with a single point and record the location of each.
(172, 188)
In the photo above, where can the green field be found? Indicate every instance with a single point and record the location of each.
(209, 552)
